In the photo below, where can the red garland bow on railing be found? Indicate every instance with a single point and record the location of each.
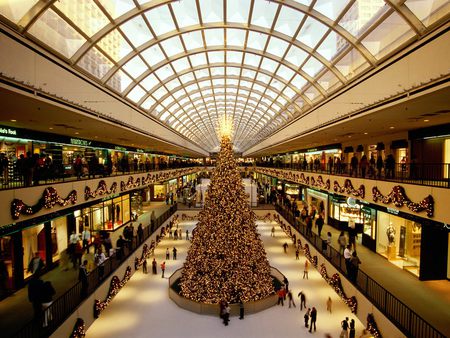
(79, 329)
(48, 200)
(372, 326)
(349, 189)
(101, 190)
(335, 282)
(399, 198)
(114, 289)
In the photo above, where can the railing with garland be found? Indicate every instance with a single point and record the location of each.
(406, 319)
(65, 305)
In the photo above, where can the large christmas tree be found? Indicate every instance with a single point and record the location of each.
(226, 260)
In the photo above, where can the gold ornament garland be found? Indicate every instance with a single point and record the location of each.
(48, 200)
(114, 289)
(101, 190)
(399, 198)
(349, 189)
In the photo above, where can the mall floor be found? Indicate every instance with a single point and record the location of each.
(143, 308)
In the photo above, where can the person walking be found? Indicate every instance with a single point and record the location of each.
(47, 299)
(281, 294)
(352, 329)
(83, 278)
(241, 309)
(163, 268)
(319, 224)
(329, 304)
(144, 266)
(187, 234)
(36, 264)
(306, 317)
(140, 233)
(290, 298)
(344, 326)
(86, 238)
(285, 246)
(174, 253)
(347, 257)
(313, 316)
(342, 241)
(226, 315)
(272, 232)
(168, 253)
(302, 297)
(34, 295)
(154, 266)
(354, 266)
(305, 271)
(297, 252)
(99, 259)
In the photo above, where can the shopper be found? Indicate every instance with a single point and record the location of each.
(86, 238)
(281, 294)
(187, 234)
(305, 271)
(342, 241)
(354, 266)
(140, 233)
(154, 267)
(163, 268)
(168, 252)
(226, 314)
(83, 278)
(47, 299)
(36, 264)
(297, 252)
(272, 232)
(347, 257)
(344, 326)
(34, 295)
(319, 224)
(306, 317)
(352, 329)
(290, 298)
(329, 304)
(313, 316)
(99, 259)
(302, 297)
(241, 309)
(174, 253)
(120, 247)
(285, 246)
(144, 266)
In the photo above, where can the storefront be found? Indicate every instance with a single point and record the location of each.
(399, 240)
(108, 215)
(318, 200)
(343, 210)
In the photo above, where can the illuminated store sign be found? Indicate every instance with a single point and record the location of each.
(8, 131)
(80, 142)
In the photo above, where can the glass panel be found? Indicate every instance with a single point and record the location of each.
(159, 93)
(201, 73)
(148, 103)
(248, 73)
(193, 40)
(187, 78)
(153, 55)
(237, 11)
(216, 57)
(332, 44)
(331, 9)
(298, 81)
(268, 64)
(217, 71)
(388, 36)
(285, 73)
(119, 81)
(256, 40)
(185, 12)
(235, 37)
(252, 59)
(361, 15)
(95, 63)
(135, 67)
(312, 93)
(263, 78)
(164, 116)
(173, 84)
(311, 32)
(277, 46)
(214, 37)
(296, 56)
(136, 94)
(172, 46)
(164, 73)
(329, 81)
(117, 7)
(212, 11)
(429, 11)
(288, 20)
(137, 31)
(149, 82)
(83, 13)
(289, 93)
(234, 57)
(115, 45)
(352, 64)
(263, 13)
(14, 10)
(57, 33)
(198, 59)
(160, 20)
(312, 66)
(233, 71)
(181, 64)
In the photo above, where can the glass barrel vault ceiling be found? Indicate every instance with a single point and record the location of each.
(189, 62)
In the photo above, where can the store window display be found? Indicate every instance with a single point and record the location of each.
(33, 241)
(399, 240)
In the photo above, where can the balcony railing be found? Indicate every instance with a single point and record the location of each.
(13, 178)
(408, 321)
(430, 174)
(66, 304)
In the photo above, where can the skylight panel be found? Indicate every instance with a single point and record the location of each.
(148, 103)
(160, 20)
(181, 64)
(332, 44)
(233, 71)
(116, 8)
(164, 116)
(298, 81)
(331, 9)
(263, 78)
(119, 81)
(135, 67)
(285, 73)
(248, 73)
(288, 21)
(198, 59)
(172, 46)
(14, 10)
(312, 66)
(159, 93)
(149, 82)
(214, 37)
(185, 12)
(136, 94)
(115, 45)
(212, 11)
(311, 32)
(256, 40)
(187, 78)
(252, 59)
(263, 13)
(164, 73)
(289, 93)
(173, 84)
(193, 40)
(136, 31)
(234, 57)
(269, 65)
(296, 56)
(153, 55)
(238, 10)
(202, 73)
(277, 46)
(95, 63)
(51, 29)
(216, 57)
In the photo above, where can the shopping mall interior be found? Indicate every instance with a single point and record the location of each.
(113, 117)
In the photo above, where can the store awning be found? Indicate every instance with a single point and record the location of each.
(348, 150)
(397, 144)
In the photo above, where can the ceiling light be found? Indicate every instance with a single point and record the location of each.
(391, 127)
(76, 133)
(50, 128)
(423, 120)
(365, 133)
(12, 120)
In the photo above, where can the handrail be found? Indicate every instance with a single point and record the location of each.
(406, 319)
(429, 174)
(63, 306)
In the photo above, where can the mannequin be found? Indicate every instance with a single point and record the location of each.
(390, 233)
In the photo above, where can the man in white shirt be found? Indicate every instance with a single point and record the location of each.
(348, 256)
(86, 237)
